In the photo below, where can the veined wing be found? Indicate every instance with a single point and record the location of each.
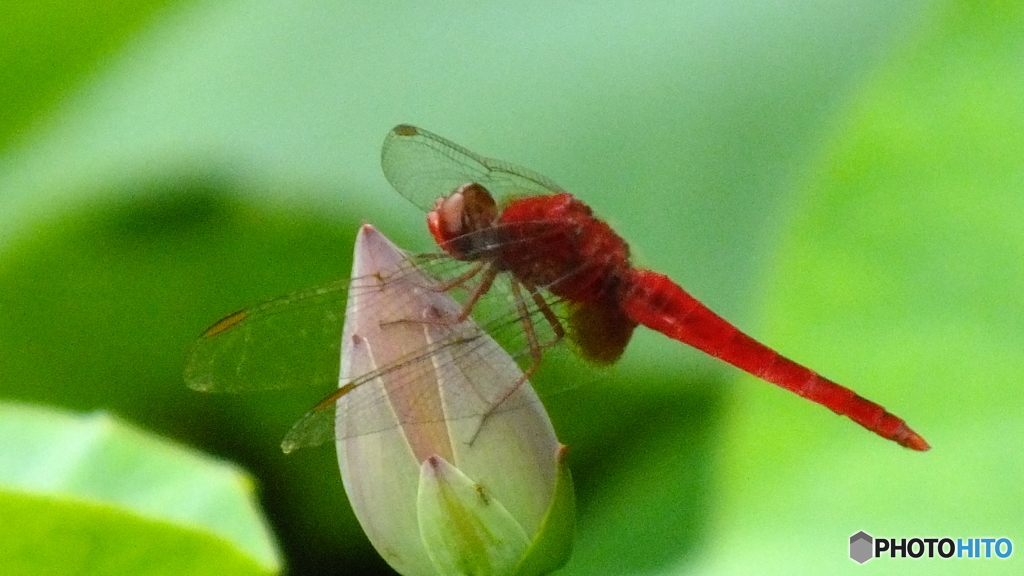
(291, 341)
(283, 343)
(423, 166)
(295, 341)
(455, 373)
(407, 361)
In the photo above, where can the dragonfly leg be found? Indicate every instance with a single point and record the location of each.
(486, 281)
(460, 279)
(536, 346)
(528, 329)
(549, 315)
(522, 380)
(489, 275)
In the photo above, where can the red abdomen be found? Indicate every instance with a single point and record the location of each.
(656, 302)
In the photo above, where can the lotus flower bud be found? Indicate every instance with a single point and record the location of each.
(450, 467)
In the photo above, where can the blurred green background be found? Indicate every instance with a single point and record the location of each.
(844, 180)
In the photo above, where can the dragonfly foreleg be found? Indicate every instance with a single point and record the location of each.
(489, 275)
(486, 281)
(460, 279)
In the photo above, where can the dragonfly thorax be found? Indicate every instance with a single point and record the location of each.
(555, 242)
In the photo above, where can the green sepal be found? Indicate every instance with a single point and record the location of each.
(552, 546)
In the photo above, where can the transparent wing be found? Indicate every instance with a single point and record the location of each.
(283, 343)
(291, 341)
(296, 341)
(460, 374)
(406, 360)
(423, 166)
(473, 368)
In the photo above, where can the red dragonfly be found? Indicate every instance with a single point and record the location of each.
(569, 275)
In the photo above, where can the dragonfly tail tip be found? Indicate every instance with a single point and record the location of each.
(914, 441)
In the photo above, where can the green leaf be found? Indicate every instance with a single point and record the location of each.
(50, 46)
(90, 495)
(900, 277)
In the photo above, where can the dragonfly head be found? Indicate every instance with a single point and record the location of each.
(454, 219)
